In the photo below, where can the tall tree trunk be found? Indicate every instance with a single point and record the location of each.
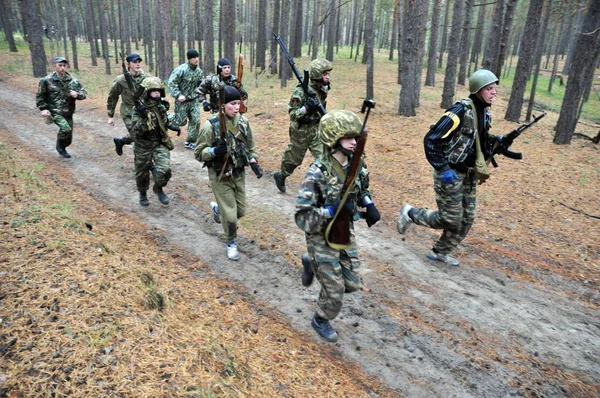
(284, 23)
(147, 32)
(369, 48)
(91, 31)
(164, 39)
(526, 60)
(296, 31)
(102, 11)
(573, 37)
(228, 31)
(30, 14)
(433, 43)
(209, 38)
(332, 29)
(538, 58)
(477, 39)
(584, 54)
(394, 39)
(181, 21)
(444, 34)
(6, 12)
(72, 34)
(506, 31)
(465, 39)
(315, 36)
(413, 39)
(261, 37)
(274, 50)
(453, 46)
(491, 53)
(354, 28)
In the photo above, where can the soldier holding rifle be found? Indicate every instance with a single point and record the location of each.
(334, 186)
(459, 148)
(209, 88)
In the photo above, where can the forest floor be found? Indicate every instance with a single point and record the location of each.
(102, 297)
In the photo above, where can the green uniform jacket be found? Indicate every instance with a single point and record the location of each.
(53, 94)
(120, 88)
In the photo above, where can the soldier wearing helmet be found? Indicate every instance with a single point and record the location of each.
(152, 147)
(456, 147)
(319, 200)
(209, 88)
(183, 82)
(56, 97)
(304, 121)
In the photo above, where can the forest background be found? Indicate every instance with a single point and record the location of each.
(558, 185)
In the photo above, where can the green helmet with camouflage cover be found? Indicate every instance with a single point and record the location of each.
(318, 67)
(480, 79)
(153, 83)
(338, 124)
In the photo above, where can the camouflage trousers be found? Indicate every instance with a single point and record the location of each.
(336, 270)
(184, 111)
(230, 194)
(127, 139)
(151, 157)
(302, 138)
(456, 211)
(65, 129)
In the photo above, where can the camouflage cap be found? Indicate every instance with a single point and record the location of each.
(58, 60)
(338, 124)
(318, 67)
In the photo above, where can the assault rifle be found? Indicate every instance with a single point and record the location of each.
(508, 139)
(337, 233)
(303, 81)
(226, 169)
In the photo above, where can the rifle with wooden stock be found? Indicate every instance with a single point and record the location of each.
(303, 80)
(337, 233)
(238, 83)
(226, 169)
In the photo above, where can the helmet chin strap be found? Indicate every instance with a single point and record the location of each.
(347, 152)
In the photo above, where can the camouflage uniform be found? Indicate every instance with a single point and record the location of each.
(118, 89)
(230, 191)
(152, 143)
(303, 129)
(184, 80)
(337, 270)
(53, 95)
(210, 87)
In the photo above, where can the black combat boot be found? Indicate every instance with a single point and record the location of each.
(118, 145)
(324, 329)
(144, 199)
(62, 150)
(280, 181)
(307, 273)
(164, 199)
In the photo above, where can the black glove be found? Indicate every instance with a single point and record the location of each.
(372, 215)
(220, 149)
(206, 106)
(256, 169)
(141, 107)
(348, 207)
(506, 140)
(311, 105)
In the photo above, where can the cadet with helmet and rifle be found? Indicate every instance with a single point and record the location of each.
(209, 88)
(306, 107)
(182, 84)
(149, 125)
(459, 148)
(126, 87)
(56, 98)
(334, 186)
(226, 146)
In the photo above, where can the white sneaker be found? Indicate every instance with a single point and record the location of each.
(444, 258)
(216, 213)
(189, 145)
(232, 251)
(403, 219)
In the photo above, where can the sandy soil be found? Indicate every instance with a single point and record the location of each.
(423, 328)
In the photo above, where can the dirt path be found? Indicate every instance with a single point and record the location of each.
(426, 330)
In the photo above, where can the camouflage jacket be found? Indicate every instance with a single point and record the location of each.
(239, 140)
(53, 94)
(184, 80)
(151, 125)
(321, 187)
(120, 88)
(299, 98)
(210, 87)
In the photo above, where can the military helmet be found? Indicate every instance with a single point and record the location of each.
(338, 124)
(318, 67)
(480, 79)
(153, 83)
